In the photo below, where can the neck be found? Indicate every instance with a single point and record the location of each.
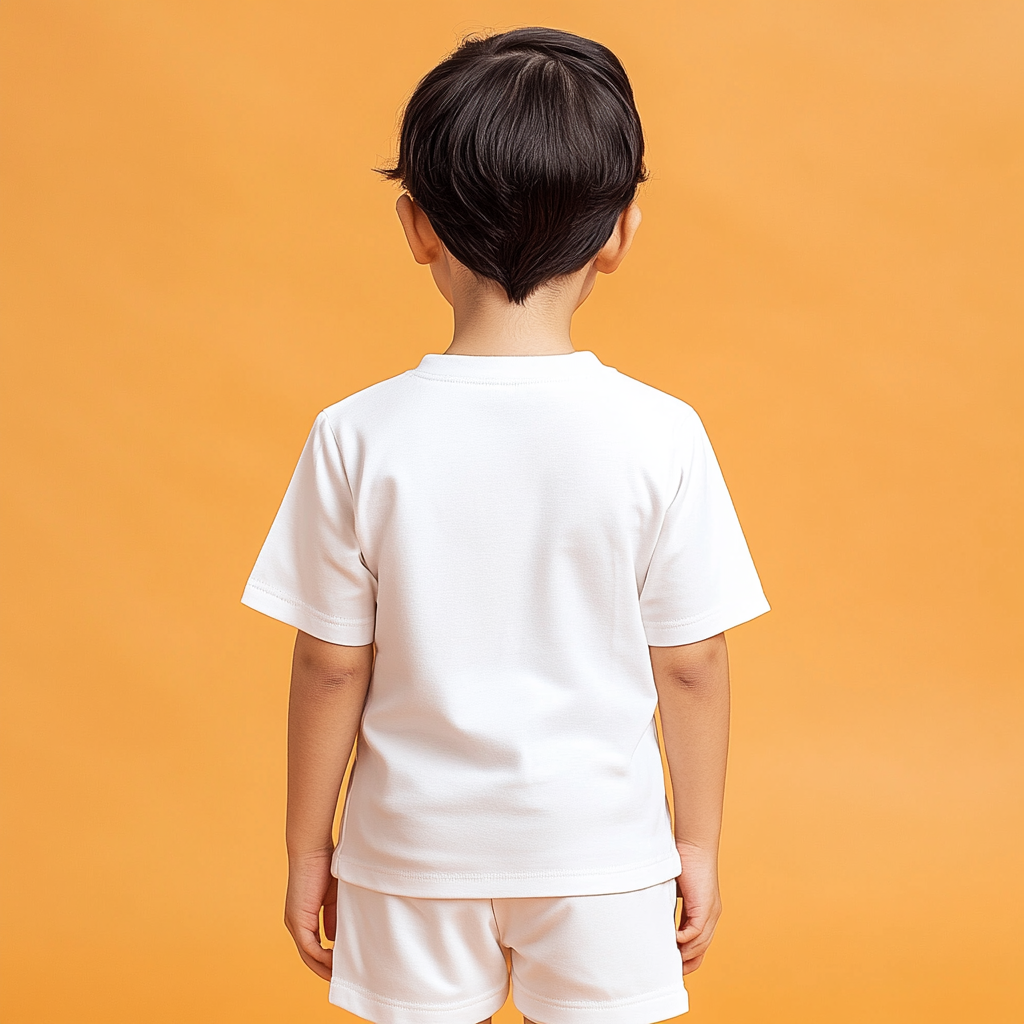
(487, 324)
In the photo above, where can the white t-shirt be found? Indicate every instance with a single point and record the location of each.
(512, 532)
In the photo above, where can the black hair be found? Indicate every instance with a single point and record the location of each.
(523, 149)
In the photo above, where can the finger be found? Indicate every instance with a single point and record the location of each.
(319, 969)
(698, 948)
(306, 936)
(689, 966)
(331, 913)
(696, 943)
(313, 955)
(693, 925)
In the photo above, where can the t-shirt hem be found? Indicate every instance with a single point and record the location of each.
(506, 885)
(348, 632)
(691, 631)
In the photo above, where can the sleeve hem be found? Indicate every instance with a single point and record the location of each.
(691, 631)
(347, 632)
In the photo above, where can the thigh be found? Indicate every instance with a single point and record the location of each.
(400, 960)
(608, 959)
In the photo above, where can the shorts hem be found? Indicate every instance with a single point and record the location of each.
(381, 1010)
(648, 1009)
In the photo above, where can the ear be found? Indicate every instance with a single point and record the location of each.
(419, 232)
(613, 252)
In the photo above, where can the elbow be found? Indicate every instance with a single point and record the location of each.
(331, 666)
(695, 684)
(698, 669)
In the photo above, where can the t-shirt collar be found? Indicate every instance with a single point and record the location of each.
(507, 368)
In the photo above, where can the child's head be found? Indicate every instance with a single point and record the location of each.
(523, 149)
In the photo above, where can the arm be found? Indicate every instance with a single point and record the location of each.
(328, 689)
(693, 699)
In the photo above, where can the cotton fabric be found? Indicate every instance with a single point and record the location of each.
(512, 532)
(605, 959)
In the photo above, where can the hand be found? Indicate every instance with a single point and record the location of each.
(310, 887)
(702, 905)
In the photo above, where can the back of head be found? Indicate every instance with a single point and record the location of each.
(523, 149)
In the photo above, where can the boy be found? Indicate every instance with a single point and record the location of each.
(499, 562)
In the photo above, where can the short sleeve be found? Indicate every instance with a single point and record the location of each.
(701, 579)
(310, 572)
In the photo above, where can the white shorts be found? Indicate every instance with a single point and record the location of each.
(608, 959)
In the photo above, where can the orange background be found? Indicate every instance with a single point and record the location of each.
(197, 258)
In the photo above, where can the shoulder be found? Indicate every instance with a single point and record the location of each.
(653, 404)
(368, 402)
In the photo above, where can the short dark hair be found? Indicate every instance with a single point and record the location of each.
(523, 149)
